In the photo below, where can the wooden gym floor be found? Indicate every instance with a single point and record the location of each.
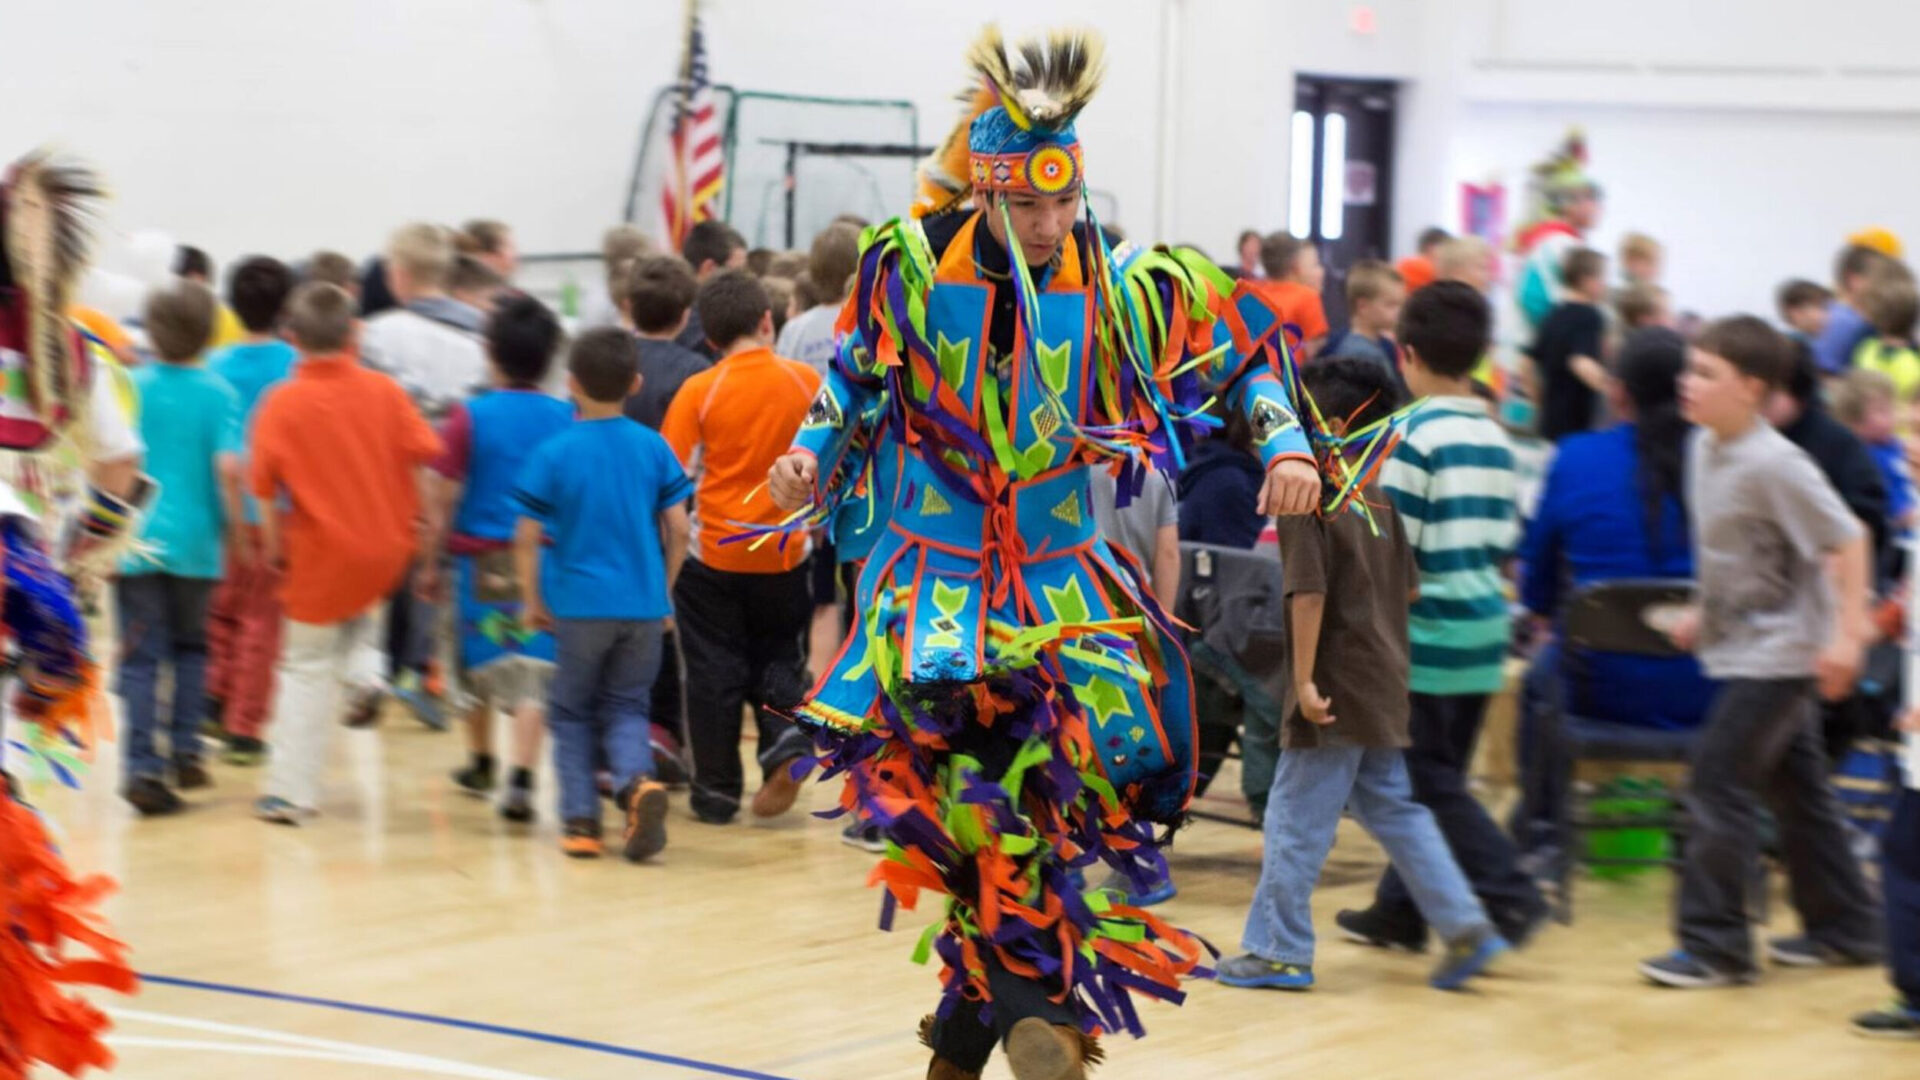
(411, 933)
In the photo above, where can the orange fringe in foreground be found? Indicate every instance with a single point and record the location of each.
(44, 915)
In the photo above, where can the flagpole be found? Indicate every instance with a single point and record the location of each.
(683, 208)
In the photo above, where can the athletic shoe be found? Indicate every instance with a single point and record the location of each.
(1804, 952)
(580, 838)
(190, 775)
(864, 837)
(1160, 892)
(274, 809)
(1466, 958)
(364, 712)
(152, 798)
(1896, 1021)
(1680, 970)
(778, 794)
(1367, 928)
(646, 833)
(475, 779)
(517, 805)
(244, 751)
(1520, 933)
(1251, 972)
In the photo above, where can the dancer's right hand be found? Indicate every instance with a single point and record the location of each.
(791, 480)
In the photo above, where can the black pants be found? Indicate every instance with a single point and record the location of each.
(744, 637)
(1762, 740)
(1445, 729)
(1901, 883)
(964, 1040)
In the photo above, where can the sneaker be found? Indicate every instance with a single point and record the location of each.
(517, 805)
(475, 779)
(365, 710)
(152, 798)
(1366, 928)
(1896, 1021)
(1466, 958)
(1160, 892)
(1804, 952)
(646, 833)
(778, 794)
(214, 723)
(1251, 972)
(274, 809)
(1680, 970)
(190, 775)
(1519, 932)
(864, 837)
(244, 751)
(580, 838)
(424, 707)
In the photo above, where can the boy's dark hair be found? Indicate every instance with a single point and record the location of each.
(257, 288)
(1278, 252)
(760, 262)
(603, 362)
(1801, 293)
(806, 295)
(522, 336)
(1890, 302)
(1856, 260)
(332, 268)
(660, 289)
(1802, 382)
(1353, 389)
(1431, 236)
(710, 241)
(190, 261)
(1449, 325)
(482, 237)
(1581, 264)
(179, 319)
(1755, 349)
(319, 317)
(779, 298)
(470, 275)
(731, 305)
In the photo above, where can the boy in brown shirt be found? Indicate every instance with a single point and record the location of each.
(1346, 725)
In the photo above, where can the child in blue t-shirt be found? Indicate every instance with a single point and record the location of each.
(506, 667)
(607, 497)
(1865, 401)
(190, 420)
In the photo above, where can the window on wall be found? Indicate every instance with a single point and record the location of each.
(1341, 174)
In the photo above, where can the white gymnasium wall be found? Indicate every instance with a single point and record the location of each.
(1749, 135)
(266, 125)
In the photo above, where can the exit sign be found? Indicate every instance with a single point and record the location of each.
(1362, 20)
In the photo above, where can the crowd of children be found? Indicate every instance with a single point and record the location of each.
(411, 482)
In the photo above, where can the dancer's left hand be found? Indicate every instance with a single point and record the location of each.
(1292, 487)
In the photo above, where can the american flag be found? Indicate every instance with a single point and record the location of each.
(697, 172)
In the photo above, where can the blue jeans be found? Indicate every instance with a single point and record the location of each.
(602, 692)
(163, 619)
(1310, 789)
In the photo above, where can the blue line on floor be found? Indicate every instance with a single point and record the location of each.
(467, 1025)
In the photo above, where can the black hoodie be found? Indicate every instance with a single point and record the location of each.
(1219, 491)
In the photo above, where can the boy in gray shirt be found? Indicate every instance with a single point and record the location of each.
(1781, 620)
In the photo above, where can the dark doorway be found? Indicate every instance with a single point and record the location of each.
(1343, 201)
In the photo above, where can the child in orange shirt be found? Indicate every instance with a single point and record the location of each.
(345, 446)
(741, 611)
(1295, 276)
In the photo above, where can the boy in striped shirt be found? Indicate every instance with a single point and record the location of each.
(1452, 480)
